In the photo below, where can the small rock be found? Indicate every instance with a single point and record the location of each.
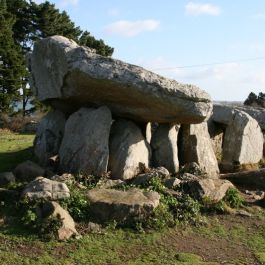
(192, 168)
(54, 210)
(172, 182)
(93, 228)
(143, 179)
(161, 171)
(65, 178)
(214, 189)
(173, 193)
(6, 178)
(28, 171)
(110, 183)
(42, 188)
(188, 177)
(259, 195)
(243, 213)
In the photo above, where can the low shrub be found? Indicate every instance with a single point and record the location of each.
(209, 206)
(262, 163)
(77, 205)
(14, 123)
(233, 198)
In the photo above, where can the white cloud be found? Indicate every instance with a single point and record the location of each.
(257, 47)
(195, 9)
(68, 3)
(39, 1)
(259, 16)
(128, 28)
(230, 81)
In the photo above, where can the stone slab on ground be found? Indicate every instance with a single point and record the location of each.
(122, 206)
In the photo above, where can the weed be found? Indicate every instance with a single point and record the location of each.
(209, 206)
(48, 228)
(89, 181)
(188, 210)
(156, 184)
(262, 163)
(77, 205)
(112, 225)
(233, 198)
(30, 217)
(161, 218)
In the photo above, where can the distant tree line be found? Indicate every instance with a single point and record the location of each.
(23, 22)
(255, 100)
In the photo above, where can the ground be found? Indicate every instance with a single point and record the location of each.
(14, 149)
(224, 239)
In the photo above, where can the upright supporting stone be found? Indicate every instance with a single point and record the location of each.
(196, 147)
(85, 146)
(49, 136)
(148, 133)
(128, 150)
(164, 147)
(243, 141)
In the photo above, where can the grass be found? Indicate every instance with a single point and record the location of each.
(226, 239)
(14, 148)
(113, 247)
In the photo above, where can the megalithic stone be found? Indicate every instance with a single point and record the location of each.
(68, 77)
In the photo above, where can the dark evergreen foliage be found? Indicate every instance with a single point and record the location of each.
(255, 100)
(22, 23)
(12, 67)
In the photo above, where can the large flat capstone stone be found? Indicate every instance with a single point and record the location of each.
(68, 77)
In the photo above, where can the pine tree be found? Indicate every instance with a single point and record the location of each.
(11, 62)
(49, 22)
(101, 48)
(29, 22)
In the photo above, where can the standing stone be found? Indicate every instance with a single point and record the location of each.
(164, 147)
(148, 132)
(85, 145)
(128, 150)
(243, 141)
(224, 113)
(196, 147)
(49, 136)
(68, 76)
(216, 132)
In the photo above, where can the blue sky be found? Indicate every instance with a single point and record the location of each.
(164, 36)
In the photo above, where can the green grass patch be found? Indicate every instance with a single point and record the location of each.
(14, 149)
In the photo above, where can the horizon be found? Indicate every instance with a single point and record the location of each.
(219, 47)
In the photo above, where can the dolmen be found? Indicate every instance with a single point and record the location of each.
(111, 116)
